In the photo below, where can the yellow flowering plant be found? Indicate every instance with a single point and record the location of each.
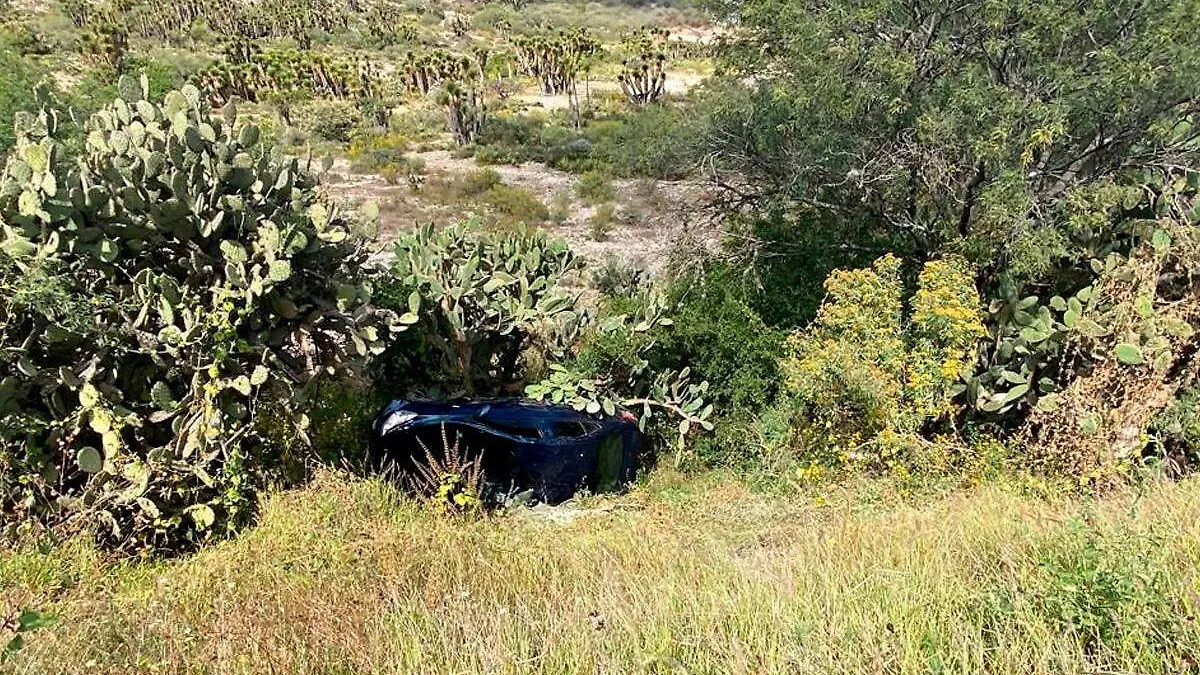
(866, 373)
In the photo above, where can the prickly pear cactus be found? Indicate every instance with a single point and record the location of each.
(161, 286)
(488, 299)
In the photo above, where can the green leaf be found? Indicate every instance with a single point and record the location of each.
(37, 158)
(33, 620)
(88, 396)
(233, 251)
(414, 303)
(89, 460)
(279, 271)
(203, 516)
(249, 135)
(1091, 329)
(259, 376)
(108, 250)
(1048, 403)
(1161, 241)
(161, 396)
(1129, 354)
(241, 384)
(1015, 393)
(319, 215)
(29, 204)
(370, 210)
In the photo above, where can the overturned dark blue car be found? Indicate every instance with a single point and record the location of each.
(545, 452)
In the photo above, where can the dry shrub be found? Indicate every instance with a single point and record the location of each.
(1138, 333)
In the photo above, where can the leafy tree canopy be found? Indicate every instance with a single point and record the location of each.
(967, 125)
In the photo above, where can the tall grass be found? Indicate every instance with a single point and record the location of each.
(696, 576)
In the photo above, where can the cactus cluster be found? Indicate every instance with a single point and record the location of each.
(163, 285)
(458, 81)
(78, 11)
(421, 72)
(488, 299)
(253, 74)
(643, 76)
(105, 43)
(389, 23)
(295, 19)
(555, 60)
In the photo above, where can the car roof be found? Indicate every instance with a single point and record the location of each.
(493, 409)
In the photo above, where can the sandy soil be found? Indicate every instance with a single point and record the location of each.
(652, 216)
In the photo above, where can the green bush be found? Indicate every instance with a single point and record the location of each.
(620, 361)
(18, 78)
(653, 142)
(615, 278)
(490, 306)
(600, 225)
(341, 413)
(480, 181)
(331, 120)
(167, 288)
(1177, 429)
(1111, 593)
(723, 340)
(371, 152)
(560, 207)
(509, 140)
(517, 202)
(161, 76)
(595, 187)
(867, 376)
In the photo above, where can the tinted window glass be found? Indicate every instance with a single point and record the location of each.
(568, 429)
(514, 429)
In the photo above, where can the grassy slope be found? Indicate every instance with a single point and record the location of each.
(701, 577)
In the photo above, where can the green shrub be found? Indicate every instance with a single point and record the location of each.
(615, 278)
(864, 378)
(330, 120)
(161, 77)
(480, 181)
(784, 276)
(490, 306)
(340, 414)
(653, 142)
(723, 340)
(164, 287)
(1110, 593)
(518, 203)
(595, 187)
(1177, 428)
(560, 207)
(371, 152)
(620, 361)
(509, 140)
(600, 225)
(17, 80)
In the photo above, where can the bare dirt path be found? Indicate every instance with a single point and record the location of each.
(652, 217)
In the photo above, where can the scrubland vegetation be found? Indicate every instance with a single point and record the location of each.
(917, 374)
(682, 575)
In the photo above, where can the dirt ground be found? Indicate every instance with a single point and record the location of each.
(652, 217)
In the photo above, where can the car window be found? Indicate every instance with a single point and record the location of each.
(514, 428)
(568, 429)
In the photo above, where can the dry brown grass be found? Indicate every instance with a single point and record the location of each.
(681, 576)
